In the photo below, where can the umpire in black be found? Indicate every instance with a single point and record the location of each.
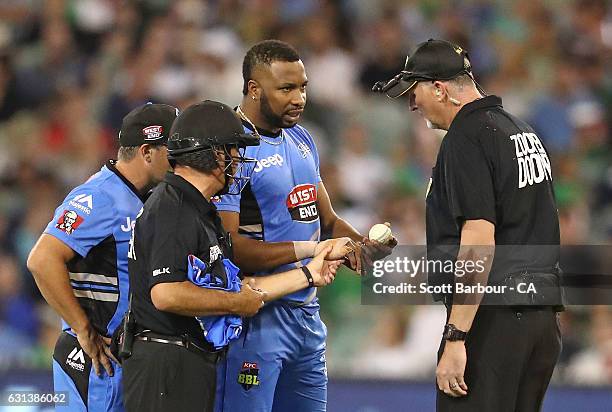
(491, 186)
(172, 366)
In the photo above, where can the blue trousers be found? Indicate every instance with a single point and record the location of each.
(277, 364)
(73, 373)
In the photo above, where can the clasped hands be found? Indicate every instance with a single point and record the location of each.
(356, 255)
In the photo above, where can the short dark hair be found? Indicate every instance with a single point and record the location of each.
(203, 160)
(266, 52)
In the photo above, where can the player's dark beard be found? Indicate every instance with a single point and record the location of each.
(273, 120)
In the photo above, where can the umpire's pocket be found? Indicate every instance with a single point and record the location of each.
(74, 362)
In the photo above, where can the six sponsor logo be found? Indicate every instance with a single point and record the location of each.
(76, 359)
(302, 203)
(532, 159)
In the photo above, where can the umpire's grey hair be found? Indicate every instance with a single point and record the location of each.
(460, 82)
(127, 153)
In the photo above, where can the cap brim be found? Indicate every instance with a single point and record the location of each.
(400, 88)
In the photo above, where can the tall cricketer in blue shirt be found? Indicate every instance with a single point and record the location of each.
(278, 363)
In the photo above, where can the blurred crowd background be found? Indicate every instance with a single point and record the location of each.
(71, 69)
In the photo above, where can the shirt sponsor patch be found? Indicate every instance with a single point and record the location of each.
(69, 221)
(302, 203)
(274, 160)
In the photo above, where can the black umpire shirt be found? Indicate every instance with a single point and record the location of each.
(492, 166)
(176, 221)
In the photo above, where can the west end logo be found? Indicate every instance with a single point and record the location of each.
(152, 132)
(302, 203)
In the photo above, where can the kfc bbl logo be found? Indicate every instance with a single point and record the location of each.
(69, 221)
(249, 375)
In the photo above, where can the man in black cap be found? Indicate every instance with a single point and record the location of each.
(491, 187)
(173, 364)
(80, 261)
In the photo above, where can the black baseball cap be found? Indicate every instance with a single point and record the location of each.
(432, 60)
(147, 124)
(207, 124)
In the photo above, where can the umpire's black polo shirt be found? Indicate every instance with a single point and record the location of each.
(492, 166)
(176, 221)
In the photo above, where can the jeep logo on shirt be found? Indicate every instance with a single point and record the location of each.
(302, 203)
(274, 160)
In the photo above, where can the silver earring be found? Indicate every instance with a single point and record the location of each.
(253, 97)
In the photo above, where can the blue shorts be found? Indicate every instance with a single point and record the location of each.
(73, 373)
(277, 364)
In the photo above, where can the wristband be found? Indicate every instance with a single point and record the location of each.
(304, 249)
(308, 276)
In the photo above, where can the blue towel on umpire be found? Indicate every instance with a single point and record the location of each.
(218, 330)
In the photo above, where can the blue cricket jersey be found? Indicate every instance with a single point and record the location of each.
(279, 203)
(95, 220)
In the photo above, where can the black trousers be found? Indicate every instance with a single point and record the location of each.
(511, 356)
(160, 377)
